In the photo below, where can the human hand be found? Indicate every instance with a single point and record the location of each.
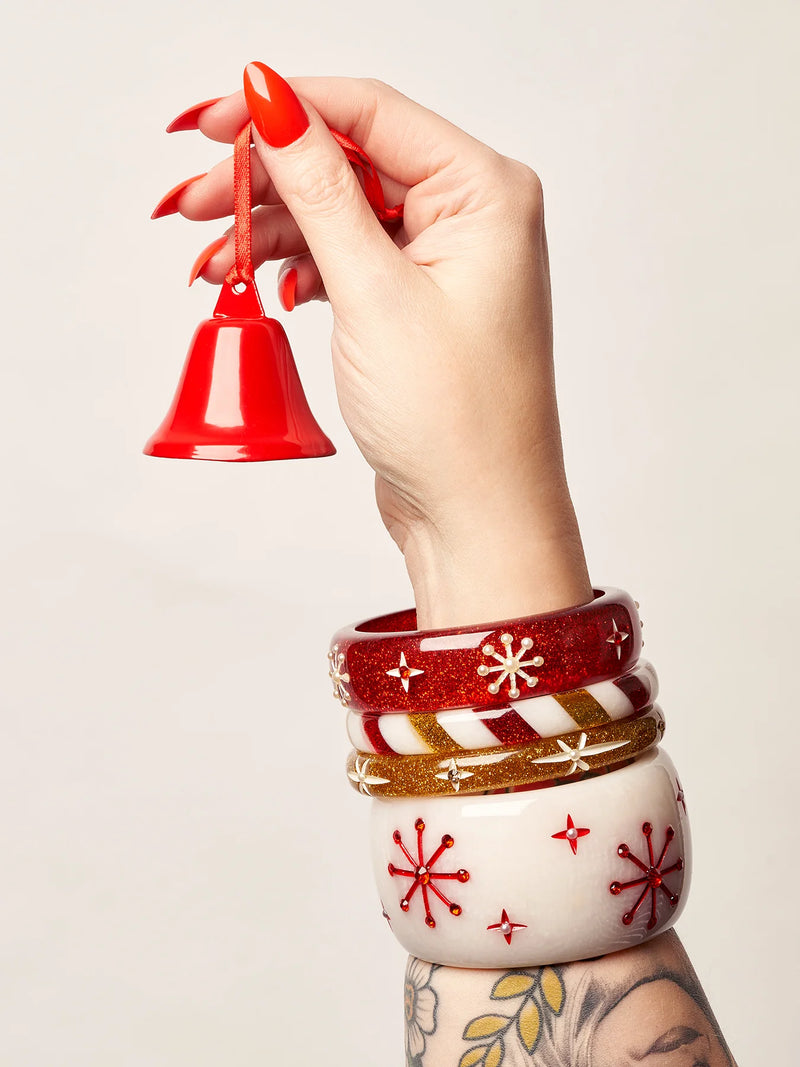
(442, 338)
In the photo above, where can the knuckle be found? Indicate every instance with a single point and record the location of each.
(325, 187)
(531, 193)
(376, 86)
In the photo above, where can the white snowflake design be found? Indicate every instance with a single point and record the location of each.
(338, 676)
(574, 756)
(361, 776)
(510, 665)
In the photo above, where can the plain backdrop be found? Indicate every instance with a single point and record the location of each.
(184, 877)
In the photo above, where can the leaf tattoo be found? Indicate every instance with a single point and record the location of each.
(540, 995)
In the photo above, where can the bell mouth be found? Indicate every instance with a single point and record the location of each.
(240, 452)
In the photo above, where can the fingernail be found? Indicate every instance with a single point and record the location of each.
(287, 288)
(208, 253)
(273, 105)
(168, 204)
(187, 120)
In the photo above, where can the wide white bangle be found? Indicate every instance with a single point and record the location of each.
(530, 879)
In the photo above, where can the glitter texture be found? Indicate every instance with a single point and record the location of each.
(573, 648)
(493, 769)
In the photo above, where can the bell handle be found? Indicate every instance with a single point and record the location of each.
(239, 300)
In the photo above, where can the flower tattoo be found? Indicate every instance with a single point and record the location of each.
(420, 1009)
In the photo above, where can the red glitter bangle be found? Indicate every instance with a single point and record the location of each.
(384, 665)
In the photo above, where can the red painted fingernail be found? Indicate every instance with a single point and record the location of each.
(187, 120)
(208, 253)
(273, 105)
(168, 204)
(287, 288)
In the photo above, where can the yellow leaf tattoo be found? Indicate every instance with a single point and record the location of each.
(528, 1024)
(553, 989)
(485, 1026)
(472, 1057)
(495, 1054)
(512, 985)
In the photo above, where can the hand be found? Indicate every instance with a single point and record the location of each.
(442, 338)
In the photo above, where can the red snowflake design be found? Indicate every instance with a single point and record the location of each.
(652, 879)
(422, 873)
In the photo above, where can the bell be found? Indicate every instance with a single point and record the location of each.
(239, 398)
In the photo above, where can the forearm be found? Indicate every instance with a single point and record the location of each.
(644, 1005)
(499, 560)
(638, 1006)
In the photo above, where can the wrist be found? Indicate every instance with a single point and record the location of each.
(503, 563)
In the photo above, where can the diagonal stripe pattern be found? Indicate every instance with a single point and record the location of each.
(518, 723)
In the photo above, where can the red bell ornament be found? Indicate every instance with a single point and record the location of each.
(239, 398)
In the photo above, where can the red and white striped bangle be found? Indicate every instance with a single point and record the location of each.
(386, 666)
(514, 724)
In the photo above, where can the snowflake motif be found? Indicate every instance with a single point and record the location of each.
(338, 676)
(679, 796)
(652, 879)
(422, 873)
(574, 756)
(572, 834)
(361, 776)
(404, 672)
(510, 665)
(617, 637)
(453, 774)
(507, 927)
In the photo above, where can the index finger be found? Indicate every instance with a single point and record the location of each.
(405, 140)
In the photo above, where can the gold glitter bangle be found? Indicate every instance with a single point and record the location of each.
(476, 770)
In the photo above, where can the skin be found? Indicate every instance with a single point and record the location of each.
(442, 338)
(634, 1031)
(643, 1007)
(443, 362)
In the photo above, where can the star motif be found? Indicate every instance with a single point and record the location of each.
(574, 756)
(507, 927)
(404, 672)
(360, 774)
(679, 797)
(339, 677)
(453, 774)
(617, 637)
(572, 834)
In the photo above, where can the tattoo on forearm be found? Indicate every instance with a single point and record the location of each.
(536, 995)
(420, 1004)
(640, 1008)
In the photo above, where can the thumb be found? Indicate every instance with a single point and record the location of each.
(316, 182)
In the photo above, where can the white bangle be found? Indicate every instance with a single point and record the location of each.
(530, 879)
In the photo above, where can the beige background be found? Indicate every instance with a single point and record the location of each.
(172, 892)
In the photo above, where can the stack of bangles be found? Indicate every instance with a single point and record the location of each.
(523, 814)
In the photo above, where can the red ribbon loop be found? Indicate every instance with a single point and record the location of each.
(242, 270)
(241, 273)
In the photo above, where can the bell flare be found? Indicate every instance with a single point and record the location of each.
(239, 398)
